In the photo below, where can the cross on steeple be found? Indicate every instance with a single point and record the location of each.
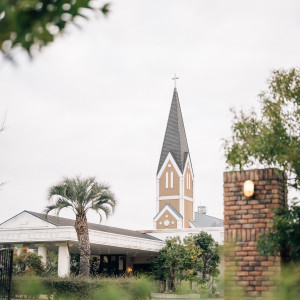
(174, 78)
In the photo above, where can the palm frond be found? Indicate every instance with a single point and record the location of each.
(58, 205)
(82, 194)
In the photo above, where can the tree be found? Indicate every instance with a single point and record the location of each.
(284, 237)
(192, 260)
(210, 255)
(27, 262)
(82, 195)
(168, 264)
(271, 138)
(33, 24)
(198, 255)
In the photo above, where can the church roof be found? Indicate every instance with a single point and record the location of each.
(172, 209)
(175, 140)
(59, 221)
(202, 220)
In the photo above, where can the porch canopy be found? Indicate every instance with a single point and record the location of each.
(51, 233)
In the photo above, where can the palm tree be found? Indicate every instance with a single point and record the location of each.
(82, 195)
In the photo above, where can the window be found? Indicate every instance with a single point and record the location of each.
(171, 180)
(189, 181)
(167, 180)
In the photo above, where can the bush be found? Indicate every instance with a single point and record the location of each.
(80, 288)
(27, 263)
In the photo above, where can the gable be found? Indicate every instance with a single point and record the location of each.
(169, 181)
(170, 210)
(25, 220)
(169, 159)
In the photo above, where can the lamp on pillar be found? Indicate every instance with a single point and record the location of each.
(248, 188)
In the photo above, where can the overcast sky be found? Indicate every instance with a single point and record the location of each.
(96, 101)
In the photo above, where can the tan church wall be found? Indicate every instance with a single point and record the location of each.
(163, 218)
(188, 192)
(188, 213)
(163, 191)
(173, 202)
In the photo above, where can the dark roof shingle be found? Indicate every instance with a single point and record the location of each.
(59, 221)
(175, 140)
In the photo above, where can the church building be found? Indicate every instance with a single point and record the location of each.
(119, 250)
(175, 176)
(176, 211)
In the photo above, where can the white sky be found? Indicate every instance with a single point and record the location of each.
(96, 101)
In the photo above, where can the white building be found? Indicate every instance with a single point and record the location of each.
(120, 250)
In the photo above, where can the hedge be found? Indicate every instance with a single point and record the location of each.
(80, 288)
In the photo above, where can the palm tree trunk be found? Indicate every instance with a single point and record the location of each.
(82, 231)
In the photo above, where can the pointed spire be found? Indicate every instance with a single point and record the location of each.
(175, 140)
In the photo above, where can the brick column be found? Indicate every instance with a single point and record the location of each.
(244, 219)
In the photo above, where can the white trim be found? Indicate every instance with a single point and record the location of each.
(169, 157)
(186, 164)
(68, 233)
(179, 224)
(171, 179)
(166, 208)
(154, 225)
(157, 195)
(169, 197)
(188, 198)
(26, 220)
(181, 202)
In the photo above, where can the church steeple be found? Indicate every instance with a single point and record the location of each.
(174, 178)
(175, 140)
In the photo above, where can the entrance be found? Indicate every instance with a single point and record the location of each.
(112, 264)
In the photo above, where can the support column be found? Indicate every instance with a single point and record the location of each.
(244, 219)
(42, 251)
(63, 260)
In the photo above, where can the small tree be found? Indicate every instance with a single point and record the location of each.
(284, 237)
(198, 255)
(27, 262)
(192, 260)
(210, 255)
(168, 265)
(271, 138)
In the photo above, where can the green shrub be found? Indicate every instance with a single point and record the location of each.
(27, 263)
(80, 288)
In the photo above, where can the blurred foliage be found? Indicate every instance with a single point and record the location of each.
(271, 138)
(82, 288)
(286, 286)
(27, 263)
(33, 24)
(284, 236)
(196, 259)
(52, 264)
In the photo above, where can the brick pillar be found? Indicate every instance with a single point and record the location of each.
(244, 219)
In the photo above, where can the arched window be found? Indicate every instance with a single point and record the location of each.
(167, 180)
(187, 181)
